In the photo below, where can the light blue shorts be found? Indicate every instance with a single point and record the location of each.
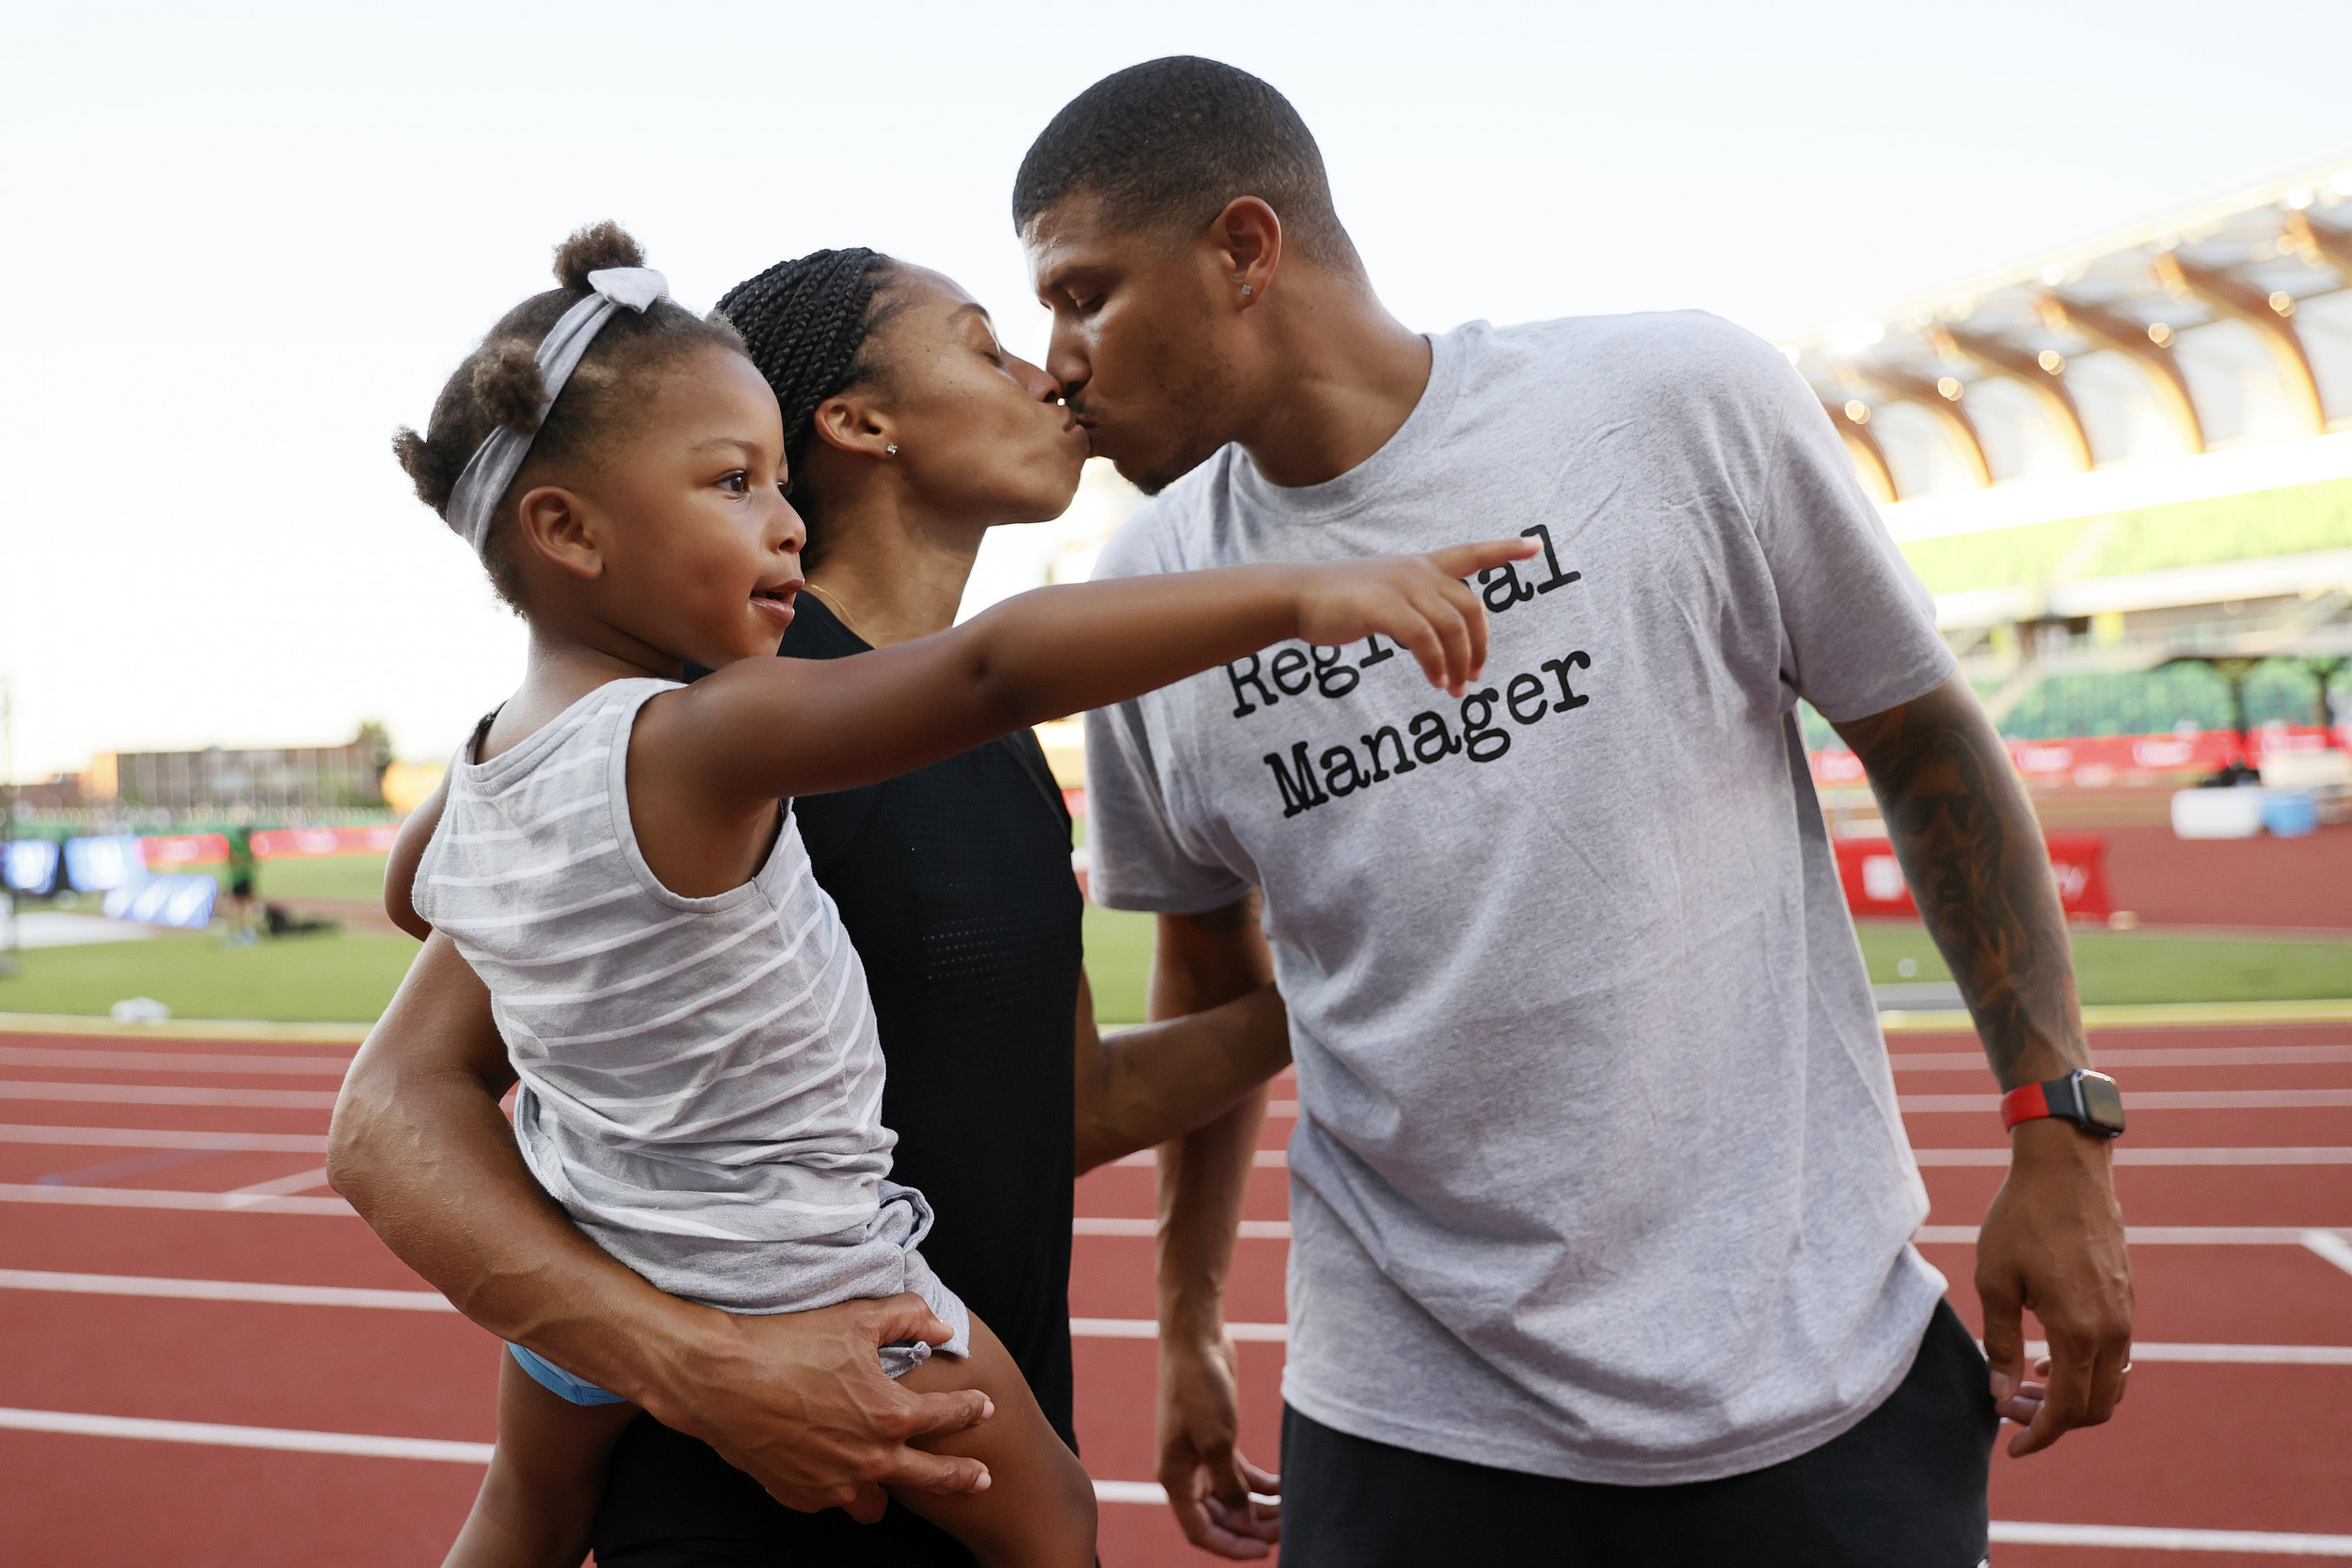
(556, 1380)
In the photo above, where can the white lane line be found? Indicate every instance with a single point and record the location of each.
(169, 1061)
(2158, 1235)
(2159, 1100)
(2148, 1539)
(207, 1433)
(167, 1094)
(1129, 1492)
(1264, 1159)
(163, 1137)
(1083, 1328)
(1144, 1329)
(223, 1290)
(1251, 1231)
(2329, 1245)
(2153, 1055)
(301, 1181)
(2128, 1156)
(158, 1197)
(361, 1445)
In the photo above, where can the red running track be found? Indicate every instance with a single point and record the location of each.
(2203, 1444)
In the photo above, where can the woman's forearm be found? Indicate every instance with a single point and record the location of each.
(1143, 1086)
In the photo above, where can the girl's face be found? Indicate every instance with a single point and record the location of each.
(694, 550)
(981, 435)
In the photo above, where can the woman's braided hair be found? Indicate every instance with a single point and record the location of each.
(807, 324)
(499, 383)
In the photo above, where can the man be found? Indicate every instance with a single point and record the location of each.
(1600, 1201)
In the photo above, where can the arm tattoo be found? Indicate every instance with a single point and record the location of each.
(1972, 850)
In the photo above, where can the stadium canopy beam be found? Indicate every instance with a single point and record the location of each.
(1946, 412)
(2228, 297)
(2048, 386)
(2123, 336)
(2320, 245)
(1865, 446)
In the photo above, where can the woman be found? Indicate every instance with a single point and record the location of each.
(909, 433)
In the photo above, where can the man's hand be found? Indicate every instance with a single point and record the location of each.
(2052, 1241)
(799, 1401)
(1208, 1481)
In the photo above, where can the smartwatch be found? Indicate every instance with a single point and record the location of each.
(2089, 1100)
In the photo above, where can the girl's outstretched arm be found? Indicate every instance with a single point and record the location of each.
(764, 728)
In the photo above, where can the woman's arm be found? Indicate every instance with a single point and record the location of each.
(797, 1400)
(1146, 1085)
(764, 728)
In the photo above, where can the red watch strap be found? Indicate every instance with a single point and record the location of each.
(2024, 1105)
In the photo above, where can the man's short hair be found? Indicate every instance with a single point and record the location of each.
(1169, 143)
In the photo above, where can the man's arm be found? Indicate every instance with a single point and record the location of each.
(1199, 963)
(797, 1399)
(1144, 1087)
(1978, 870)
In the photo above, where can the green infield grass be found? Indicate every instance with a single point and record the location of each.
(348, 976)
(2149, 966)
(338, 977)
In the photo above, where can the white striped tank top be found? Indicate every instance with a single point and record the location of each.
(700, 1078)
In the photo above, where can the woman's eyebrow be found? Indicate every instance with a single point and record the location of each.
(742, 443)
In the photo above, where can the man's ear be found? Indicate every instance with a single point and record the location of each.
(1248, 237)
(555, 528)
(849, 422)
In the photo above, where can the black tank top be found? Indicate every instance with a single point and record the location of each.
(954, 883)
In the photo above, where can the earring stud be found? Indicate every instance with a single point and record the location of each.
(1247, 291)
(892, 449)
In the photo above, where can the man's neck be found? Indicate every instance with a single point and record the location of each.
(1347, 377)
(891, 573)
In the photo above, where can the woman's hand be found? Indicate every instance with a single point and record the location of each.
(1419, 602)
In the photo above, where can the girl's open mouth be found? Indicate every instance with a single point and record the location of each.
(777, 601)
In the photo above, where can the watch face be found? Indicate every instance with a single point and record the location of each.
(2102, 1105)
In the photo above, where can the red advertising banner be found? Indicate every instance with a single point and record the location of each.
(184, 849)
(1873, 879)
(297, 843)
(2106, 759)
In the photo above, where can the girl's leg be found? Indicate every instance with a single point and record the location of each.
(1038, 1509)
(539, 1498)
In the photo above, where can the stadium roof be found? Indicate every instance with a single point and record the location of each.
(2109, 373)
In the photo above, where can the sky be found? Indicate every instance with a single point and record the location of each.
(247, 241)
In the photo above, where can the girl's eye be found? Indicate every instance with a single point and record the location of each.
(736, 483)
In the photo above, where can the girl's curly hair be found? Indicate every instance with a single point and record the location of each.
(499, 385)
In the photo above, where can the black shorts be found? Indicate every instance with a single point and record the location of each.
(1904, 1489)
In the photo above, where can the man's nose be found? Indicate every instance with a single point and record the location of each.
(1066, 363)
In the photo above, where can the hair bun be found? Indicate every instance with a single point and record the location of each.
(592, 249)
(506, 382)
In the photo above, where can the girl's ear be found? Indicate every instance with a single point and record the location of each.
(851, 423)
(555, 529)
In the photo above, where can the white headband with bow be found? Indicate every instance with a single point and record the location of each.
(473, 501)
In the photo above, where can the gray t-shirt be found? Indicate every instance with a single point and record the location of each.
(1598, 1171)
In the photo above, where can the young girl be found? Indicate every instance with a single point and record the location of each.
(700, 1084)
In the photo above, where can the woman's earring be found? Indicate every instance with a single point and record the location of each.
(891, 450)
